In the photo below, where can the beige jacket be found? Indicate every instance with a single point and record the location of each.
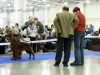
(65, 23)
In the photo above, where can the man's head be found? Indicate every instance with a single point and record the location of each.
(6, 27)
(16, 25)
(65, 8)
(16, 30)
(52, 26)
(35, 20)
(30, 18)
(51, 33)
(76, 9)
(32, 22)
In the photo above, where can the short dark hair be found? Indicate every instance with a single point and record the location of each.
(35, 18)
(29, 16)
(76, 9)
(31, 22)
(66, 8)
(52, 25)
(50, 32)
(17, 24)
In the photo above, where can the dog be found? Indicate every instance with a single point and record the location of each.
(19, 47)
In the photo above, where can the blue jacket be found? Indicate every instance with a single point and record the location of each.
(49, 37)
(91, 30)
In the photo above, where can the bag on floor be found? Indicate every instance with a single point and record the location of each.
(89, 45)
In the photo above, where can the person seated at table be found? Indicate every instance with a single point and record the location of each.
(96, 33)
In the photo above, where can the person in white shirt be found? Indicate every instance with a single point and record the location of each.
(32, 34)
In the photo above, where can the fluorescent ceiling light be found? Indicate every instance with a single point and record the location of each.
(31, 6)
(88, 1)
(3, 0)
(47, 5)
(43, 0)
(66, 3)
(35, 0)
(9, 4)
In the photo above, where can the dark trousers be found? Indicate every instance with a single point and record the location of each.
(24, 36)
(38, 47)
(50, 46)
(20, 53)
(79, 47)
(2, 49)
(66, 43)
(34, 45)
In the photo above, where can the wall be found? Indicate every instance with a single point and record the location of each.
(52, 13)
(39, 12)
(92, 14)
(11, 17)
(3, 20)
(53, 10)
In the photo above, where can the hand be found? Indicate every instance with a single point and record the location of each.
(38, 27)
(59, 31)
(53, 43)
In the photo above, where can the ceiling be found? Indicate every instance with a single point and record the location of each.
(10, 3)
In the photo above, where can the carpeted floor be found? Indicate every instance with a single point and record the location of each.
(39, 57)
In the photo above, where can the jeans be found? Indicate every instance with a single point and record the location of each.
(79, 47)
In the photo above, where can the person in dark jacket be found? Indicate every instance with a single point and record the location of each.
(40, 31)
(27, 23)
(50, 45)
(99, 30)
(39, 25)
(32, 34)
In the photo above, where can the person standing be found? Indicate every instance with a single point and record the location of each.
(79, 35)
(40, 31)
(39, 25)
(63, 23)
(27, 23)
(32, 34)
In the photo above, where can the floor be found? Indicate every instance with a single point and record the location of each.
(91, 67)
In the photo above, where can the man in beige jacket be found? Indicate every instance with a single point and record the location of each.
(64, 23)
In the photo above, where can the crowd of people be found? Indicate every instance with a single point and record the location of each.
(34, 30)
(65, 28)
(90, 30)
(69, 25)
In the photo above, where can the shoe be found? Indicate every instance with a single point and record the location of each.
(81, 64)
(65, 65)
(56, 64)
(20, 57)
(73, 64)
